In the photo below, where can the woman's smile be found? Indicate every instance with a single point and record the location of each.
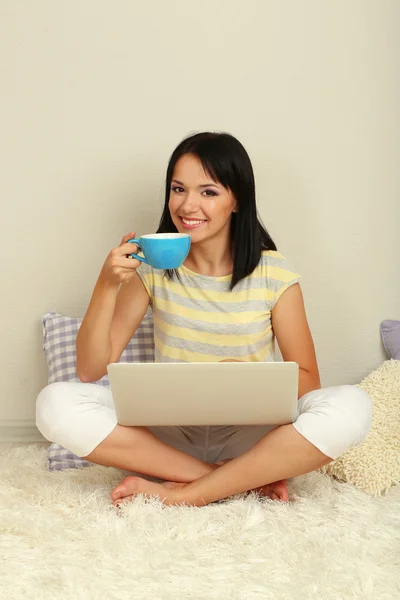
(192, 223)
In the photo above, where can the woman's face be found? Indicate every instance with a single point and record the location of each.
(198, 205)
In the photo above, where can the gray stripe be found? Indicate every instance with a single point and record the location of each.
(201, 282)
(209, 306)
(275, 284)
(221, 328)
(211, 285)
(247, 284)
(202, 348)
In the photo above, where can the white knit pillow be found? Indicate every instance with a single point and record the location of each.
(374, 466)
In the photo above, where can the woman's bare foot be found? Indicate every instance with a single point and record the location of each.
(169, 491)
(133, 485)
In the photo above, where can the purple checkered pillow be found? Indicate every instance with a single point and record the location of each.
(59, 337)
(390, 332)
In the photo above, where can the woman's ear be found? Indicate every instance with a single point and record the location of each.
(235, 203)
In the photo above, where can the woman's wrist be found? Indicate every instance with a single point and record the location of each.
(105, 284)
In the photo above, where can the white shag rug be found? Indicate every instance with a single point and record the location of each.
(61, 538)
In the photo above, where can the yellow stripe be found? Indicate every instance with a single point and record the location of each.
(178, 354)
(210, 317)
(217, 339)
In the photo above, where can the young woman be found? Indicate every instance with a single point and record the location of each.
(234, 294)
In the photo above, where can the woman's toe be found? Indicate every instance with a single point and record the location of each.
(281, 491)
(275, 491)
(126, 488)
(123, 500)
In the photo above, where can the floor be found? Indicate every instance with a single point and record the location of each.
(9, 445)
(63, 537)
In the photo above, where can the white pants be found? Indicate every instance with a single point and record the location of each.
(79, 416)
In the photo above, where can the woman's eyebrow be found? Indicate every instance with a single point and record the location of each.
(201, 186)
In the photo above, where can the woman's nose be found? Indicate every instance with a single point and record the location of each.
(190, 203)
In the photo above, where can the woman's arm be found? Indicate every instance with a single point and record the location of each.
(113, 315)
(111, 320)
(290, 325)
(93, 344)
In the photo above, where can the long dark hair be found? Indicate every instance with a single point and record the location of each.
(226, 161)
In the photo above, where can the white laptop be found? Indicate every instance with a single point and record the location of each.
(203, 393)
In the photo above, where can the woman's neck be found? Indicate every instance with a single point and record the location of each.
(210, 259)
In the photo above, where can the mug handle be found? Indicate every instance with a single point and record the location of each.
(142, 259)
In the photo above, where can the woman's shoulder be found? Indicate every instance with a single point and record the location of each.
(270, 254)
(275, 265)
(274, 258)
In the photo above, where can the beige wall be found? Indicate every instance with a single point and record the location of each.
(96, 95)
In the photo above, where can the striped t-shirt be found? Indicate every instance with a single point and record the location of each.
(198, 319)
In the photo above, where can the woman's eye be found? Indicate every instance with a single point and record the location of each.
(176, 188)
(209, 193)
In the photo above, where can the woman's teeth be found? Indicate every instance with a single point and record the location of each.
(190, 222)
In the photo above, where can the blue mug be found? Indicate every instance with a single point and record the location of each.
(163, 250)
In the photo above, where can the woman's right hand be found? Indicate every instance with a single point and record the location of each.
(118, 267)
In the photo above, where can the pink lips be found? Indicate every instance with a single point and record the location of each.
(186, 226)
